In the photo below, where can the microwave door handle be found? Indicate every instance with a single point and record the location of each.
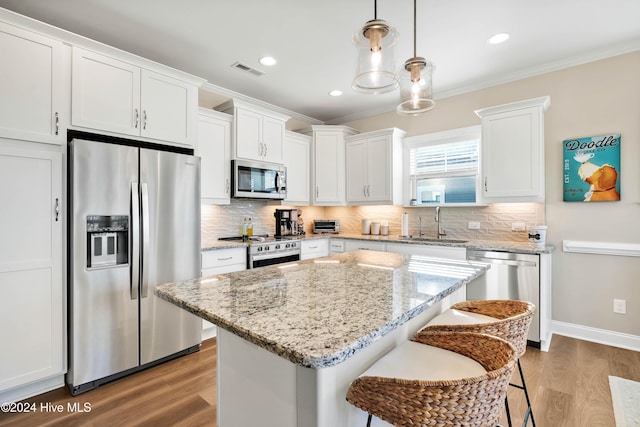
(134, 228)
(277, 182)
(145, 240)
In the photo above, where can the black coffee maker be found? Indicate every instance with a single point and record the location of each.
(286, 222)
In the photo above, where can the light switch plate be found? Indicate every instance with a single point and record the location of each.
(474, 225)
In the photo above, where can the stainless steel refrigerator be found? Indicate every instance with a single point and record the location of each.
(134, 222)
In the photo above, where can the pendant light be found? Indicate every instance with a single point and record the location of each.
(375, 67)
(415, 82)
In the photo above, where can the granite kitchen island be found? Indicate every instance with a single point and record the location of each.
(292, 337)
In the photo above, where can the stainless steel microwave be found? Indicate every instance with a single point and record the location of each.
(258, 180)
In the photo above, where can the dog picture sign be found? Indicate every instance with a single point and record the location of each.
(592, 169)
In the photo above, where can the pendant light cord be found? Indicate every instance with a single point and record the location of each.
(375, 9)
(414, 28)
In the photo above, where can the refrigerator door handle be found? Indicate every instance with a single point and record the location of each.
(135, 241)
(145, 240)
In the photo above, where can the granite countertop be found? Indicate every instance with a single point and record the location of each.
(487, 245)
(318, 313)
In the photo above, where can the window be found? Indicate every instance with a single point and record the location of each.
(443, 167)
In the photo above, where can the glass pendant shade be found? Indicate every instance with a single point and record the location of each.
(375, 67)
(415, 87)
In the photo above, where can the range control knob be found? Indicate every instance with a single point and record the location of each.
(278, 246)
(259, 249)
(266, 248)
(287, 245)
(293, 244)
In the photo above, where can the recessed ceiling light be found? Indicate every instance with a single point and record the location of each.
(335, 93)
(498, 38)
(268, 61)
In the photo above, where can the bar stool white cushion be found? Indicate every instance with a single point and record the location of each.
(452, 316)
(415, 361)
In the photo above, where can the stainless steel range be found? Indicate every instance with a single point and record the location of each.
(263, 250)
(261, 254)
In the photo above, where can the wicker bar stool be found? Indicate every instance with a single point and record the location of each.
(506, 319)
(442, 378)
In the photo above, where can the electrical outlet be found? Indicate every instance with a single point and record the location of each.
(474, 225)
(517, 226)
(620, 306)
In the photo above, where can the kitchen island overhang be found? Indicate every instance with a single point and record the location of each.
(318, 324)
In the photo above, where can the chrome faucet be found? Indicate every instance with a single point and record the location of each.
(441, 231)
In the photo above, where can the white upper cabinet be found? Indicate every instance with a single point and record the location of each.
(34, 83)
(115, 96)
(168, 108)
(513, 151)
(214, 149)
(374, 167)
(328, 164)
(258, 134)
(297, 159)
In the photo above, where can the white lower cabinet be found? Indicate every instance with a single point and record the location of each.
(32, 294)
(221, 261)
(336, 246)
(314, 248)
(448, 252)
(355, 245)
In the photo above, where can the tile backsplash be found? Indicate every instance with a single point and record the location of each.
(495, 220)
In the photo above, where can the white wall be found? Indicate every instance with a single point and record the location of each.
(588, 100)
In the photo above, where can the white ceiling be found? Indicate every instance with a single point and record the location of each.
(312, 41)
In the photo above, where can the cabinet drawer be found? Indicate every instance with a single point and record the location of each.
(314, 248)
(336, 246)
(223, 259)
(448, 252)
(354, 245)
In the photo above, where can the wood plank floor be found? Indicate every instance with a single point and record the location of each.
(568, 387)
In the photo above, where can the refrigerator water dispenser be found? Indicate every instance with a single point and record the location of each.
(107, 238)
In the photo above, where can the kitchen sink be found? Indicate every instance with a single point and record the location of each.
(433, 240)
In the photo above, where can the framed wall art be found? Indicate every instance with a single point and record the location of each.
(592, 169)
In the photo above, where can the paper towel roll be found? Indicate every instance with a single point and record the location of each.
(405, 225)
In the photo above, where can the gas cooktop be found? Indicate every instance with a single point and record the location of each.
(262, 238)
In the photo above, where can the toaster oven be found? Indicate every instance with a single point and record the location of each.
(326, 226)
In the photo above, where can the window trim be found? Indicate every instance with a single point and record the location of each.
(435, 138)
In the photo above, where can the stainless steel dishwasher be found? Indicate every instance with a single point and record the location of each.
(511, 276)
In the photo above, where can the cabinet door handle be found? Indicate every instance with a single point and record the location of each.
(260, 149)
(317, 191)
(313, 247)
(57, 124)
(225, 259)
(266, 148)
(368, 190)
(137, 118)
(485, 183)
(57, 208)
(144, 119)
(227, 189)
(364, 190)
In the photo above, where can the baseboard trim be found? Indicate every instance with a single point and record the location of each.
(32, 389)
(600, 336)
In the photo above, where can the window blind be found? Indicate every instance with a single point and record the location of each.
(443, 159)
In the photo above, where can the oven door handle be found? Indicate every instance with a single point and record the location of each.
(274, 255)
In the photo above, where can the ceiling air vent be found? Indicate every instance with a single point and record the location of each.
(243, 67)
